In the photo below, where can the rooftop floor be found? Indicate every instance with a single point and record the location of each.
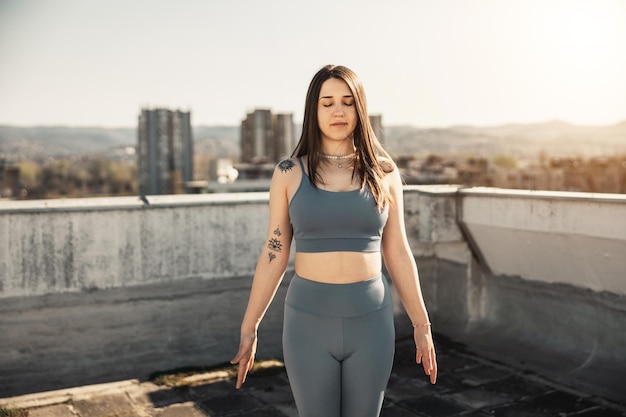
(468, 385)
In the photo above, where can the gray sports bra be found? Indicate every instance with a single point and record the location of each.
(327, 221)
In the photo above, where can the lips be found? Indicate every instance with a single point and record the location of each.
(339, 124)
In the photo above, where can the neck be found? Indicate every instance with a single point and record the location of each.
(344, 149)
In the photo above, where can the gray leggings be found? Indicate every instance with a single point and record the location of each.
(338, 345)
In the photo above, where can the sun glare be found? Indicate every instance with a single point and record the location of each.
(584, 31)
(577, 54)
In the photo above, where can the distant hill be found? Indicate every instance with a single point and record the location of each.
(554, 138)
(18, 143)
(43, 141)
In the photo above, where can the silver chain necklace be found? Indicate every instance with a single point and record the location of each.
(339, 158)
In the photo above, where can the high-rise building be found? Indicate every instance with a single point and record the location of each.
(266, 137)
(165, 151)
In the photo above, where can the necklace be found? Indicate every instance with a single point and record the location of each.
(339, 158)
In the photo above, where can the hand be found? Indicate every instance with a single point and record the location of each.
(245, 357)
(425, 352)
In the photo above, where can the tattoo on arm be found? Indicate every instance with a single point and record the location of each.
(275, 244)
(286, 165)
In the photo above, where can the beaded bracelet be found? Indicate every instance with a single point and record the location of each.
(422, 325)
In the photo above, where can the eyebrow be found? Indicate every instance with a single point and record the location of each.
(346, 96)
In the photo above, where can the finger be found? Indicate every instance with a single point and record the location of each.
(427, 363)
(418, 356)
(241, 353)
(432, 367)
(433, 375)
(245, 366)
(236, 359)
(241, 374)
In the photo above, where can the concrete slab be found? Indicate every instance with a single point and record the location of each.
(213, 390)
(434, 406)
(556, 402)
(104, 406)
(477, 398)
(469, 385)
(289, 410)
(234, 404)
(59, 410)
(189, 409)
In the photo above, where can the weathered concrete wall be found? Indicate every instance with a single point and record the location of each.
(93, 290)
(71, 339)
(552, 294)
(56, 246)
(535, 279)
(552, 237)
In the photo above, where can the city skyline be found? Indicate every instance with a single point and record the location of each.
(484, 62)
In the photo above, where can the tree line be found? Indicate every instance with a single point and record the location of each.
(77, 177)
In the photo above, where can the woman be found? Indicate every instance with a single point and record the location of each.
(340, 198)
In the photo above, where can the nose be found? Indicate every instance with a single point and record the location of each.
(339, 110)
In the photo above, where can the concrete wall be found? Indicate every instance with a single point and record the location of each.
(552, 237)
(58, 246)
(96, 290)
(535, 279)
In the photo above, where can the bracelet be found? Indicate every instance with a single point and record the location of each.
(422, 325)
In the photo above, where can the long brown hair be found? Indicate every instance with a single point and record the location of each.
(367, 164)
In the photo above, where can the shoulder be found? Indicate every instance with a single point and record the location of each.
(392, 178)
(286, 173)
(286, 165)
(386, 164)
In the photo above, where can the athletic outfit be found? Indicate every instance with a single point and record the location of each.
(338, 339)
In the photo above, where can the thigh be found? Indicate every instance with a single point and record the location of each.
(367, 369)
(309, 348)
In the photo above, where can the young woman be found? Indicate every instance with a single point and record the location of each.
(340, 198)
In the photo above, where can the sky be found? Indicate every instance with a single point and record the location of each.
(425, 63)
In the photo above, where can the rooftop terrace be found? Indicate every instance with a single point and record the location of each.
(100, 290)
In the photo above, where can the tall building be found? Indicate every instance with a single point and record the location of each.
(266, 137)
(165, 151)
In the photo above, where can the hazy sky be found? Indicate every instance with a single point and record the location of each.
(423, 62)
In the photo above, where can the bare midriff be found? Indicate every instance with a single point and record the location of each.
(338, 267)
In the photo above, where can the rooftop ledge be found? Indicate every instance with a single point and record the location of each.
(129, 203)
(160, 201)
(551, 195)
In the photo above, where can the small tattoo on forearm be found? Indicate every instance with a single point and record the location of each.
(272, 257)
(274, 244)
(277, 232)
(286, 165)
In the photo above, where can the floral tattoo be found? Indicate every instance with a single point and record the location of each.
(286, 165)
(274, 244)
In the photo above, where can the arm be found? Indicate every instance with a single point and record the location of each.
(269, 271)
(403, 271)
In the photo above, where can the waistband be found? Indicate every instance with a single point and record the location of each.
(338, 300)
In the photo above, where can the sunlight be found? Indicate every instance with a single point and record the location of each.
(576, 55)
(583, 31)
